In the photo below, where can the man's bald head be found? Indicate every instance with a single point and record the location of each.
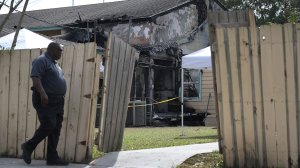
(54, 50)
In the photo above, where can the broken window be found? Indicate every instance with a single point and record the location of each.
(192, 84)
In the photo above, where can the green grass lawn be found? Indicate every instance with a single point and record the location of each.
(156, 137)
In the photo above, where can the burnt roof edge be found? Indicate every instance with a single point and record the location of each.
(138, 19)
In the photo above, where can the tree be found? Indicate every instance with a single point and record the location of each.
(19, 26)
(12, 7)
(268, 11)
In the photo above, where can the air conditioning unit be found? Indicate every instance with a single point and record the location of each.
(136, 114)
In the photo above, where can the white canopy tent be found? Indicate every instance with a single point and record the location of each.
(200, 59)
(26, 40)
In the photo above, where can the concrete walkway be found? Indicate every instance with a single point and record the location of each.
(168, 157)
(19, 163)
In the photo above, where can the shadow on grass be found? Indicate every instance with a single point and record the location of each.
(199, 137)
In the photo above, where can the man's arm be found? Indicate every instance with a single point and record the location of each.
(37, 84)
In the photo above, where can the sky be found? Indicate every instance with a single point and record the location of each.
(46, 4)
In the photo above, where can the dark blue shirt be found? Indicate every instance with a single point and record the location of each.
(50, 74)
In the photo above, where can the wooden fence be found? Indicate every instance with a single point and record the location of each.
(119, 68)
(258, 90)
(18, 119)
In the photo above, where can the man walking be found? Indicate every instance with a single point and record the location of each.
(49, 89)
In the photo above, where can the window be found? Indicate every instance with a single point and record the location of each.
(192, 84)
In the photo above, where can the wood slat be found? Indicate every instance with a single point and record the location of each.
(133, 58)
(4, 103)
(223, 17)
(75, 103)
(31, 113)
(118, 97)
(217, 89)
(87, 88)
(110, 96)
(106, 86)
(23, 95)
(13, 102)
(291, 94)
(123, 82)
(232, 17)
(241, 16)
(257, 86)
(268, 96)
(237, 98)
(94, 105)
(297, 77)
(67, 67)
(229, 153)
(279, 95)
(118, 65)
(247, 97)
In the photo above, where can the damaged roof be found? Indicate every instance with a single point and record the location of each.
(137, 9)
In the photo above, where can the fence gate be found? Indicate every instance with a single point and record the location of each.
(18, 119)
(119, 66)
(258, 90)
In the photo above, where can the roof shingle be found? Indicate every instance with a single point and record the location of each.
(102, 11)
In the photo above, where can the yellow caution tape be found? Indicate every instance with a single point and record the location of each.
(160, 102)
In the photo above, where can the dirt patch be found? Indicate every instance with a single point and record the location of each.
(205, 160)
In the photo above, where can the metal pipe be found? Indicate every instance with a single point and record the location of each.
(134, 99)
(182, 95)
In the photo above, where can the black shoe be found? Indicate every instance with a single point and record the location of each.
(58, 162)
(26, 154)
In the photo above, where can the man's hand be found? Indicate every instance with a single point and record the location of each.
(44, 99)
(37, 84)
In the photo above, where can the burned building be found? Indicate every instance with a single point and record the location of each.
(162, 30)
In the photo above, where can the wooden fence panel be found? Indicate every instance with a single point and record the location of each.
(296, 43)
(18, 119)
(257, 78)
(257, 92)
(119, 66)
(23, 95)
(290, 83)
(114, 135)
(67, 66)
(237, 106)
(110, 99)
(94, 100)
(124, 73)
(4, 103)
(87, 88)
(74, 107)
(106, 89)
(229, 159)
(268, 95)
(247, 105)
(13, 102)
(279, 94)
(133, 57)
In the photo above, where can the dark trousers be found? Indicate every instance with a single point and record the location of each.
(50, 117)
